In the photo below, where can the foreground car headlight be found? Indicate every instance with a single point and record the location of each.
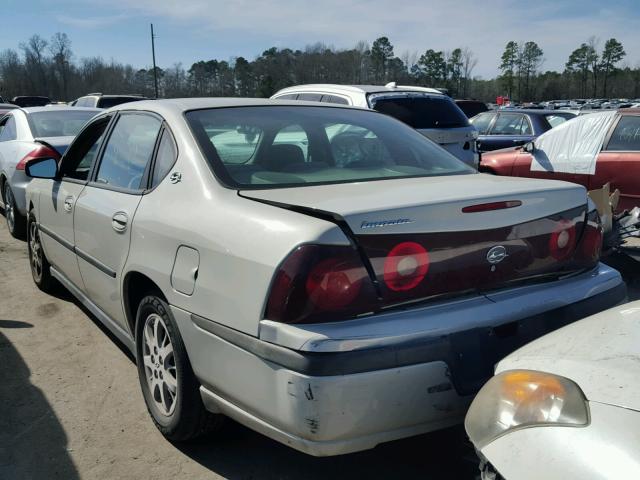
(523, 398)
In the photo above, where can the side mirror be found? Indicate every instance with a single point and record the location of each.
(41, 168)
(529, 147)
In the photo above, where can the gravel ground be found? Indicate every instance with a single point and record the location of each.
(71, 408)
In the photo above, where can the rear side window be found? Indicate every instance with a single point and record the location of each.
(165, 158)
(8, 130)
(511, 124)
(626, 136)
(334, 99)
(310, 97)
(421, 111)
(128, 151)
(482, 122)
(288, 96)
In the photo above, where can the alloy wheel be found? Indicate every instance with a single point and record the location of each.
(9, 211)
(35, 251)
(160, 365)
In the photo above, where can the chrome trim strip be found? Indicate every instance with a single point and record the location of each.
(96, 263)
(85, 256)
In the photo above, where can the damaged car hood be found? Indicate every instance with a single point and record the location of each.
(600, 353)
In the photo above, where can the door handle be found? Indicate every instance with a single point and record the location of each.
(119, 221)
(68, 204)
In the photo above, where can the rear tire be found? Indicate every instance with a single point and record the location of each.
(40, 267)
(169, 386)
(16, 222)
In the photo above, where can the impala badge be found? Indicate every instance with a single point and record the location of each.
(496, 254)
(175, 177)
(385, 223)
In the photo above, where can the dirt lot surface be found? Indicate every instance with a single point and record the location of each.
(71, 408)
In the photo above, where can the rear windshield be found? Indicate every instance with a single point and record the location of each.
(25, 102)
(65, 123)
(273, 147)
(420, 111)
(108, 102)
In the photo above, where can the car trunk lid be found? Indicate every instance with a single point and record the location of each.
(59, 144)
(456, 233)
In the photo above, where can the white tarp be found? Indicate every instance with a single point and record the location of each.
(573, 147)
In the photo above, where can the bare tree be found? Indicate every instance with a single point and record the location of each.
(60, 48)
(469, 63)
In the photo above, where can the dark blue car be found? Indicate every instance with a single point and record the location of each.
(512, 128)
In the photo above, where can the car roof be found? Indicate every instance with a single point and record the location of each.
(630, 111)
(179, 105)
(106, 95)
(53, 108)
(531, 111)
(346, 89)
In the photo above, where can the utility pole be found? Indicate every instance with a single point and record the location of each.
(153, 53)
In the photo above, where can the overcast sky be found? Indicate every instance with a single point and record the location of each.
(190, 30)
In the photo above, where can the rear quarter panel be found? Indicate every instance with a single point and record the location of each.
(240, 242)
(498, 163)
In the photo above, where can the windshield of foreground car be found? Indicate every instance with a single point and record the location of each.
(59, 123)
(277, 146)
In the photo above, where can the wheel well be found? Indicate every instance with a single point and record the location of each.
(137, 286)
(2, 180)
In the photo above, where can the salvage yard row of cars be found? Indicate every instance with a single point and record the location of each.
(389, 279)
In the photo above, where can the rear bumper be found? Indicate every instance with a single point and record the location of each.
(329, 403)
(19, 182)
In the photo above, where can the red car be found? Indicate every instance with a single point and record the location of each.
(590, 150)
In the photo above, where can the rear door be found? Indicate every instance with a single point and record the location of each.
(106, 207)
(508, 130)
(58, 199)
(619, 162)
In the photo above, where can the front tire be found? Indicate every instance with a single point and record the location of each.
(16, 222)
(169, 386)
(40, 267)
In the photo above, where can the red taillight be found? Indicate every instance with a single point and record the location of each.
(562, 240)
(318, 283)
(334, 283)
(487, 207)
(406, 266)
(40, 152)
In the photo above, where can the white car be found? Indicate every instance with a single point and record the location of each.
(332, 296)
(428, 110)
(565, 406)
(27, 134)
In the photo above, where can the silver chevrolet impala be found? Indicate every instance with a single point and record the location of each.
(323, 274)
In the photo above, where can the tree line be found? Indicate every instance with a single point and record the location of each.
(49, 67)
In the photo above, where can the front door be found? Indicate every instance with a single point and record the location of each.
(105, 209)
(58, 200)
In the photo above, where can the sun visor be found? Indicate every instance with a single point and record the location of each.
(573, 147)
